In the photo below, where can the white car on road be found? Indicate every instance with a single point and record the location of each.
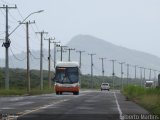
(105, 86)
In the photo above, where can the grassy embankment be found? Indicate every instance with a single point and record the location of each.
(17, 91)
(18, 83)
(149, 98)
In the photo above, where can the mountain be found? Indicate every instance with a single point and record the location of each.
(108, 50)
(101, 48)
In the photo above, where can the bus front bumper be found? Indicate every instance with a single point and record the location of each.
(66, 89)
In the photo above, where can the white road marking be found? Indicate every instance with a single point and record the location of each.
(16, 99)
(23, 103)
(42, 107)
(118, 106)
(7, 108)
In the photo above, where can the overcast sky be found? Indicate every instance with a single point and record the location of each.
(134, 24)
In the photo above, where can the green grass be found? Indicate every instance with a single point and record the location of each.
(149, 98)
(19, 92)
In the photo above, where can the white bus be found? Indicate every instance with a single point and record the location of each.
(67, 77)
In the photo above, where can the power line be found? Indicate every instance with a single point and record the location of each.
(19, 13)
(34, 56)
(12, 18)
(17, 57)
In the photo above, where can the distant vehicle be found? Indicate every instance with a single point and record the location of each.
(149, 84)
(67, 77)
(105, 86)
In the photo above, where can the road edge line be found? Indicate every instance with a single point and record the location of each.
(118, 106)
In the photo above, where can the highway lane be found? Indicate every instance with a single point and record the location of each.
(95, 105)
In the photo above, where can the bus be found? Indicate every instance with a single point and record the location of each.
(67, 77)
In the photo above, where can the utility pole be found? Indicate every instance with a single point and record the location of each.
(128, 73)
(144, 73)
(154, 76)
(55, 52)
(61, 50)
(150, 74)
(41, 58)
(121, 63)
(28, 51)
(102, 65)
(80, 55)
(141, 75)
(69, 51)
(135, 71)
(6, 44)
(49, 60)
(113, 73)
(91, 69)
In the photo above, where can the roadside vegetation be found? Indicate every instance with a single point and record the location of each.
(149, 98)
(18, 84)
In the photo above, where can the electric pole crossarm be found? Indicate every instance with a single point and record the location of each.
(6, 6)
(29, 22)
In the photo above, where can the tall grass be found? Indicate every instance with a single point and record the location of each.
(149, 98)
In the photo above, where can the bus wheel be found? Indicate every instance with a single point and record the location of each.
(57, 93)
(60, 93)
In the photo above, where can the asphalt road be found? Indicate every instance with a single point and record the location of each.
(89, 105)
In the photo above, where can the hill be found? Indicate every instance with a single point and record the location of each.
(108, 50)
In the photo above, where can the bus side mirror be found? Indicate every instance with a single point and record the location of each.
(53, 79)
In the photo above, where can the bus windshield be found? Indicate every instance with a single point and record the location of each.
(67, 75)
